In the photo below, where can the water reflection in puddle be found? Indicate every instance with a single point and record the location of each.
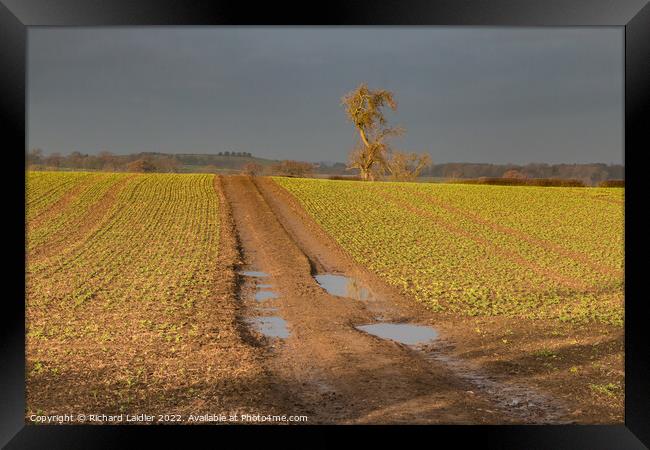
(253, 273)
(265, 295)
(401, 332)
(343, 286)
(266, 310)
(274, 326)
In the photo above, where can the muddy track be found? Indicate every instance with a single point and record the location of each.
(326, 368)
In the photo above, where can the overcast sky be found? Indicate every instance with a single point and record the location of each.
(464, 94)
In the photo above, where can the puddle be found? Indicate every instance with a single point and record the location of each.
(265, 295)
(264, 286)
(343, 286)
(401, 332)
(253, 273)
(266, 310)
(274, 326)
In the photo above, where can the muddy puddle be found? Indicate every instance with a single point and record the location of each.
(269, 325)
(273, 326)
(348, 287)
(269, 309)
(403, 333)
(253, 273)
(343, 286)
(260, 296)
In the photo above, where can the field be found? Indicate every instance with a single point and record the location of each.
(136, 304)
(125, 305)
(530, 252)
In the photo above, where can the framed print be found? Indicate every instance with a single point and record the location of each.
(366, 217)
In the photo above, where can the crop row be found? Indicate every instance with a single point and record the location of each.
(482, 250)
(43, 189)
(153, 253)
(57, 226)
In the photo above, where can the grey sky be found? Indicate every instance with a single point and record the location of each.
(464, 94)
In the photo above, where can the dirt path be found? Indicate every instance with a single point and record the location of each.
(326, 368)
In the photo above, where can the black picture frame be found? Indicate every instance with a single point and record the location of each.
(17, 15)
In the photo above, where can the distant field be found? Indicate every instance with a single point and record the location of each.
(533, 252)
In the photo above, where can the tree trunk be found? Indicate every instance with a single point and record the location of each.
(366, 172)
(364, 138)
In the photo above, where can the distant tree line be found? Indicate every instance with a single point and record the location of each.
(139, 162)
(161, 162)
(105, 161)
(519, 181)
(590, 174)
(223, 160)
(239, 154)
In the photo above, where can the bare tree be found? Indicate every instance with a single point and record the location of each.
(364, 108)
(140, 165)
(54, 159)
(407, 166)
(516, 174)
(167, 164)
(75, 159)
(35, 156)
(290, 168)
(252, 168)
(107, 160)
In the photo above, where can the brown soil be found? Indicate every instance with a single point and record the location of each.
(334, 373)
